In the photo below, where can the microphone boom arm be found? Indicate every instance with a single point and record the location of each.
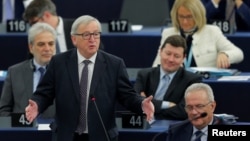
(99, 115)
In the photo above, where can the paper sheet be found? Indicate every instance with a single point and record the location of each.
(234, 78)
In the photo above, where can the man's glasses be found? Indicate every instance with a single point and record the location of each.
(87, 35)
(198, 107)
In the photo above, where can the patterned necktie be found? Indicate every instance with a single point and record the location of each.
(42, 71)
(162, 88)
(83, 101)
(198, 135)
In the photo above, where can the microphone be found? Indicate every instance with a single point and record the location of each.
(202, 115)
(92, 98)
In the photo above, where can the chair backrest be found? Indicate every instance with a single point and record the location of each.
(146, 12)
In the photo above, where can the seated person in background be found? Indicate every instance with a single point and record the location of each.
(200, 106)
(23, 78)
(238, 11)
(45, 11)
(169, 102)
(207, 46)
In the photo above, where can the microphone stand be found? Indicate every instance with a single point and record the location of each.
(99, 115)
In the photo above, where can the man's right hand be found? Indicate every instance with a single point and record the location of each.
(31, 111)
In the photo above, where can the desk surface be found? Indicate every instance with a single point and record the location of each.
(31, 134)
(158, 131)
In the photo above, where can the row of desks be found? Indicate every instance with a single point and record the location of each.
(157, 132)
(137, 48)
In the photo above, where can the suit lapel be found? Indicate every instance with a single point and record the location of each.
(72, 66)
(188, 132)
(27, 74)
(155, 77)
(99, 69)
(177, 78)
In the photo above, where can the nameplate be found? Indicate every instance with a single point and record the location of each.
(14, 26)
(118, 25)
(19, 120)
(134, 121)
(224, 25)
(226, 132)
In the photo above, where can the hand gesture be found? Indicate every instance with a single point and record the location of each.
(148, 108)
(31, 111)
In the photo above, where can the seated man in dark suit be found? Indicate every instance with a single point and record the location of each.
(200, 106)
(45, 11)
(23, 78)
(169, 103)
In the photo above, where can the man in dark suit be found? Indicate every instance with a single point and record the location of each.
(107, 82)
(200, 106)
(171, 104)
(23, 78)
(45, 11)
(216, 10)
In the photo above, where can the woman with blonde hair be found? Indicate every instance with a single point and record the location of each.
(207, 46)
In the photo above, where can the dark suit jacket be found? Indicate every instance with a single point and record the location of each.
(148, 79)
(183, 130)
(242, 15)
(109, 83)
(67, 23)
(18, 88)
(19, 9)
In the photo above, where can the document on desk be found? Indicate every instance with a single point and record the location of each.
(43, 127)
(214, 71)
(234, 78)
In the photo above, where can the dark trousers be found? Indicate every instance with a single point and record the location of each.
(82, 137)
